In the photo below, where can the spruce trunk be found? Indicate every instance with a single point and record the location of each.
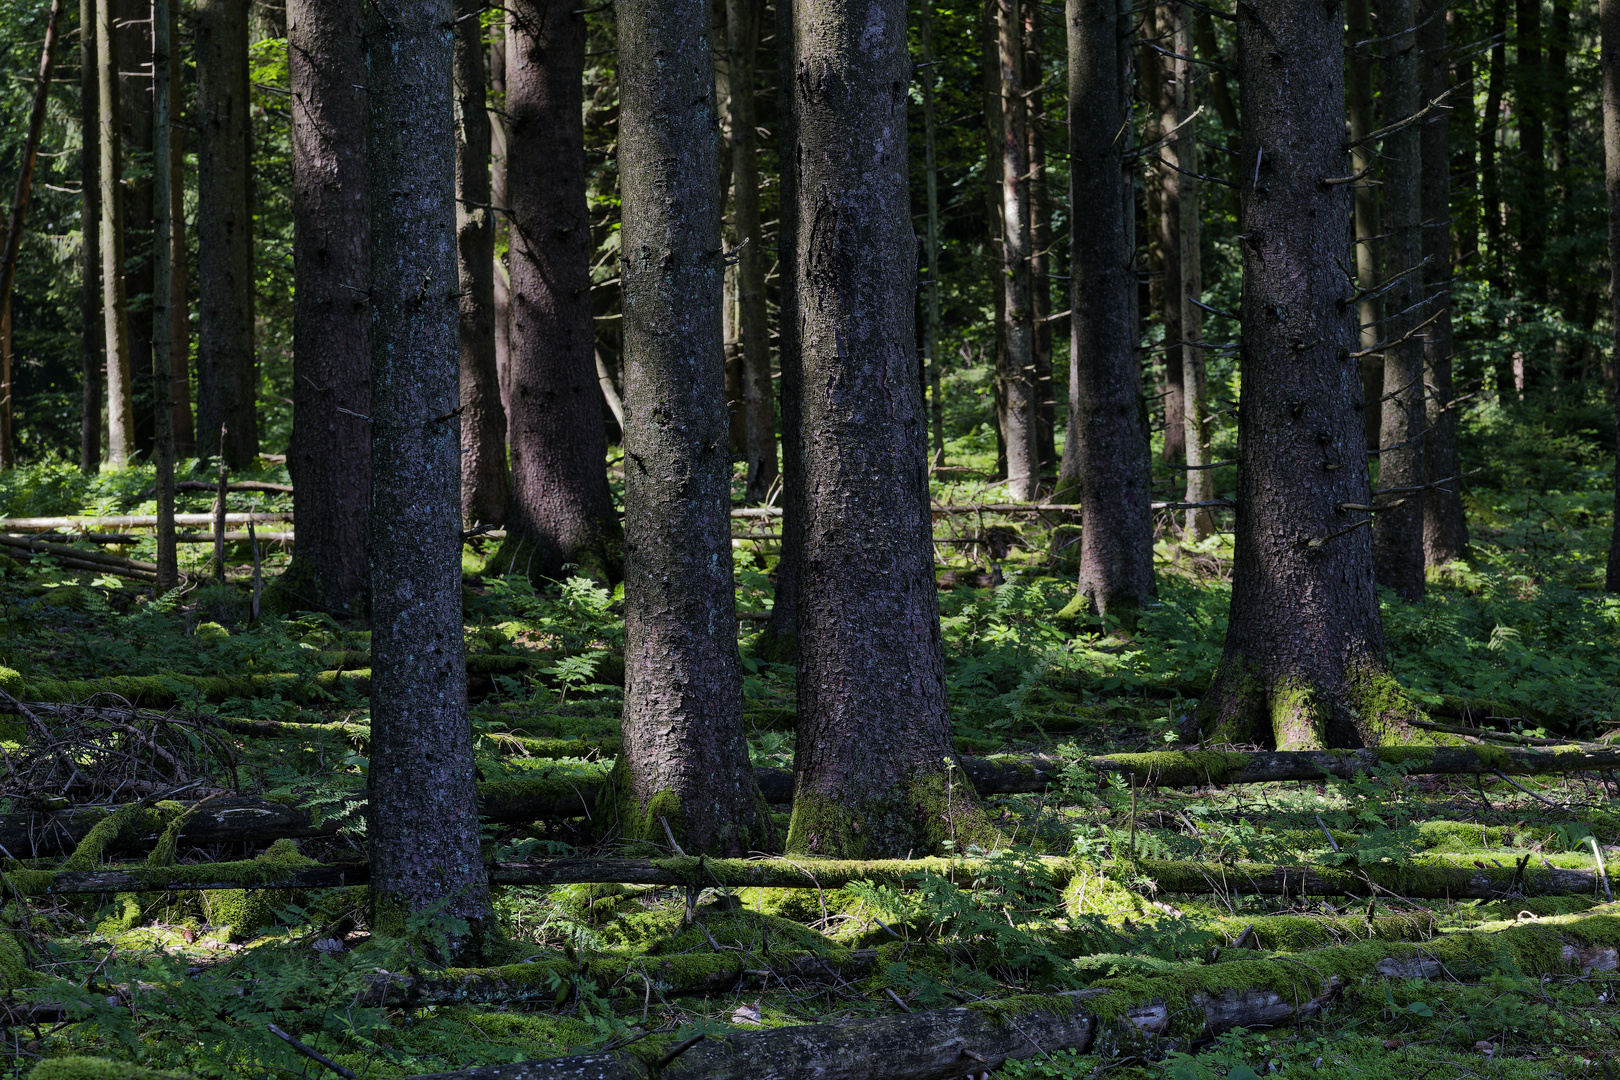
(1200, 522)
(163, 311)
(1162, 77)
(92, 340)
(114, 303)
(936, 419)
(1610, 20)
(133, 28)
(423, 818)
(1369, 239)
(1040, 233)
(1020, 405)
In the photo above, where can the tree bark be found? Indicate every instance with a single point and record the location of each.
(936, 419)
(1398, 527)
(873, 736)
(14, 224)
(1529, 91)
(1105, 454)
(1609, 18)
(1490, 178)
(1445, 529)
(742, 43)
(1464, 166)
(1020, 414)
(330, 455)
(484, 485)
(684, 762)
(994, 263)
(503, 226)
(114, 305)
(163, 310)
(1303, 665)
(1040, 232)
(1200, 522)
(423, 831)
(133, 29)
(1359, 86)
(92, 338)
(181, 426)
(1162, 76)
(560, 511)
(227, 369)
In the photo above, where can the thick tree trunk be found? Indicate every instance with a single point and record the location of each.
(134, 52)
(1040, 232)
(1161, 76)
(560, 512)
(423, 831)
(742, 43)
(1610, 20)
(1359, 83)
(1398, 526)
(92, 339)
(1106, 451)
(873, 736)
(484, 484)
(936, 418)
(330, 456)
(1490, 178)
(1445, 530)
(114, 305)
(1303, 665)
(1020, 405)
(1529, 93)
(1194, 393)
(164, 315)
(227, 369)
(684, 763)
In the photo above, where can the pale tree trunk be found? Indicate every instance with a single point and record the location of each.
(164, 315)
(114, 306)
(184, 432)
(990, 74)
(92, 339)
(1445, 529)
(1162, 76)
(936, 419)
(1398, 527)
(1610, 20)
(1369, 240)
(330, 456)
(1303, 665)
(484, 483)
(873, 738)
(1195, 417)
(503, 228)
(684, 764)
(423, 816)
(1040, 263)
(227, 370)
(1020, 406)
(1106, 452)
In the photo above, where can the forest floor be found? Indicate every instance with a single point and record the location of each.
(1149, 897)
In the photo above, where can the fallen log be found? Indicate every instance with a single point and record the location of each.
(101, 558)
(1193, 768)
(1419, 880)
(134, 521)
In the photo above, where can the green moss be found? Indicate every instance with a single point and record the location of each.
(1384, 711)
(89, 1068)
(11, 682)
(936, 810)
(244, 912)
(1182, 768)
(1299, 716)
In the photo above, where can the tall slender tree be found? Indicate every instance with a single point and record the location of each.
(132, 23)
(1019, 404)
(164, 315)
(1040, 236)
(1398, 527)
(227, 369)
(181, 426)
(423, 832)
(873, 756)
(1200, 523)
(1464, 164)
(329, 457)
(503, 228)
(92, 339)
(1105, 456)
(1303, 664)
(1529, 92)
(485, 487)
(1490, 126)
(114, 304)
(1160, 77)
(931, 304)
(1609, 19)
(1360, 84)
(685, 757)
(560, 512)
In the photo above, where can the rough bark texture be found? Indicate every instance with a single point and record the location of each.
(1161, 74)
(1040, 232)
(1359, 83)
(684, 760)
(1200, 523)
(91, 339)
(114, 303)
(484, 483)
(423, 820)
(227, 370)
(560, 512)
(873, 736)
(1610, 20)
(1398, 527)
(1106, 452)
(1445, 529)
(1019, 403)
(330, 455)
(1304, 662)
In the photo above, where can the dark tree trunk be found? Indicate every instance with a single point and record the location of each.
(1398, 527)
(1020, 417)
(165, 316)
(484, 484)
(1369, 238)
(873, 736)
(936, 404)
(1610, 19)
(560, 512)
(1161, 78)
(185, 433)
(92, 354)
(685, 758)
(1490, 177)
(1559, 42)
(1304, 661)
(227, 370)
(1200, 523)
(114, 299)
(503, 226)
(1464, 167)
(1040, 263)
(1445, 530)
(423, 817)
(990, 73)
(1220, 90)
(330, 458)
(134, 52)
(1529, 91)
(1106, 452)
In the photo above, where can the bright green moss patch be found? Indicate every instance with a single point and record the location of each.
(1183, 768)
(248, 911)
(91, 1068)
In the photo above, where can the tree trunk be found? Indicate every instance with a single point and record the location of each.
(1610, 30)
(1040, 231)
(503, 226)
(1020, 417)
(1200, 478)
(164, 315)
(227, 370)
(184, 431)
(423, 831)
(742, 42)
(684, 761)
(1304, 664)
(1529, 91)
(1464, 167)
(92, 338)
(1490, 178)
(560, 512)
(1161, 76)
(14, 224)
(1106, 451)
(927, 76)
(114, 305)
(873, 736)
(133, 28)
(1359, 86)
(1398, 526)
(484, 484)
(1220, 91)
(995, 271)
(1445, 529)
(330, 458)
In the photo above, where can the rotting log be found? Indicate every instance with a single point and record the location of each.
(134, 521)
(1190, 768)
(1421, 880)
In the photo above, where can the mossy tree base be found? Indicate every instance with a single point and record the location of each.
(1360, 705)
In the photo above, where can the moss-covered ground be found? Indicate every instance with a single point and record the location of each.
(1517, 642)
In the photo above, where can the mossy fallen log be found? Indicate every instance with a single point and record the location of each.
(1191, 768)
(1419, 880)
(168, 688)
